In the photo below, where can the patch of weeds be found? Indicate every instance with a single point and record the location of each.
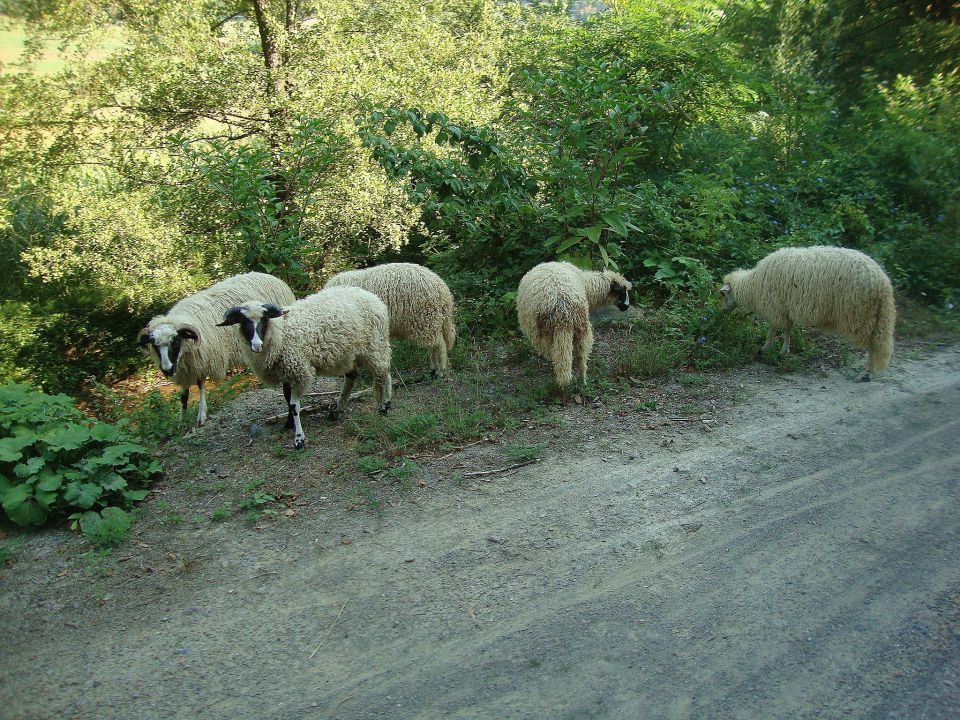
(97, 562)
(222, 513)
(519, 452)
(254, 484)
(689, 409)
(256, 506)
(167, 513)
(371, 464)
(402, 472)
(107, 528)
(8, 549)
(281, 450)
(916, 321)
(649, 405)
(693, 380)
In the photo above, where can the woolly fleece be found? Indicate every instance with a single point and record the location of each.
(554, 301)
(218, 350)
(419, 302)
(832, 289)
(332, 332)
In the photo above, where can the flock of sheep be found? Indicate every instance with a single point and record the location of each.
(348, 325)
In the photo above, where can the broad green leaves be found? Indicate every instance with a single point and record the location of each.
(53, 459)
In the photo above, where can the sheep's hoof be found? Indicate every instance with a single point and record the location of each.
(298, 444)
(384, 408)
(335, 414)
(434, 374)
(864, 378)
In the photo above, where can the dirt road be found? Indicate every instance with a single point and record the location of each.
(801, 561)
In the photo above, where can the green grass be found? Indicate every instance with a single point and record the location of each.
(13, 37)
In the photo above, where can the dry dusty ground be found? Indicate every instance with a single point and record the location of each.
(795, 558)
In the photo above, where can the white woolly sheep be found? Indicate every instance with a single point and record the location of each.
(419, 301)
(832, 289)
(554, 301)
(185, 343)
(332, 332)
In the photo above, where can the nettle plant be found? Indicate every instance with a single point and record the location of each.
(55, 461)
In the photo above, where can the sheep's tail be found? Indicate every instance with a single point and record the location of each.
(563, 355)
(881, 343)
(449, 332)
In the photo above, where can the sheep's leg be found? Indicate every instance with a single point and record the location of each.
(785, 350)
(771, 337)
(286, 397)
(582, 347)
(438, 359)
(184, 399)
(299, 438)
(202, 412)
(348, 381)
(382, 388)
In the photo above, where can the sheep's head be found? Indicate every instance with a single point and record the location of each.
(254, 321)
(165, 343)
(728, 291)
(619, 289)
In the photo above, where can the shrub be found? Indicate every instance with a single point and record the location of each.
(55, 461)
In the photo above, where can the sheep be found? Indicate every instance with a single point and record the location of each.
(832, 289)
(332, 332)
(554, 301)
(419, 301)
(185, 344)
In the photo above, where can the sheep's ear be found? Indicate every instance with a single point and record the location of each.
(725, 289)
(231, 317)
(143, 338)
(273, 311)
(189, 332)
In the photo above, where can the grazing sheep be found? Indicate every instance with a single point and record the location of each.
(332, 332)
(185, 342)
(419, 301)
(832, 289)
(553, 306)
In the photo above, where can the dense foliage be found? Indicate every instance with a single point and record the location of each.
(55, 461)
(185, 141)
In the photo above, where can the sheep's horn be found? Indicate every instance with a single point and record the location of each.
(189, 332)
(725, 288)
(231, 317)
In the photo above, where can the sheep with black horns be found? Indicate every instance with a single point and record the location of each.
(419, 301)
(332, 332)
(832, 289)
(185, 343)
(554, 301)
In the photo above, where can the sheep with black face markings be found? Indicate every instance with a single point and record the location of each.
(185, 343)
(554, 301)
(419, 302)
(832, 289)
(332, 332)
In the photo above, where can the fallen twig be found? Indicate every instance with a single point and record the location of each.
(482, 473)
(314, 408)
(329, 630)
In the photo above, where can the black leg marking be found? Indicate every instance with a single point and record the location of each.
(335, 414)
(434, 374)
(184, 398)
(286, 393)
(386, 406)
(352, 375)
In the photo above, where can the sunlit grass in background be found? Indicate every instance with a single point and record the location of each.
(13, 38)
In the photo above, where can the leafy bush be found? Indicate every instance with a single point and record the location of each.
(55, 461)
